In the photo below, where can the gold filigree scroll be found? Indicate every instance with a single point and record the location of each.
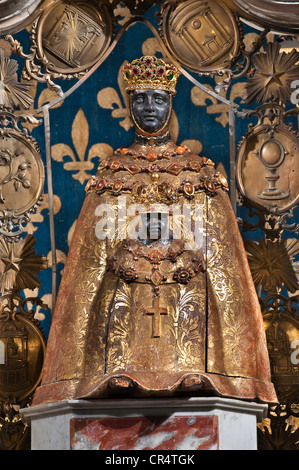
(15, 94)
(221, 273)
(21, 166)
(81, 160)
(190, 334)
(22, 341)
(122, 340)
(38, 217)
(67, 40)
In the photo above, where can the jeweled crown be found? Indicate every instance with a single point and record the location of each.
(150, 72)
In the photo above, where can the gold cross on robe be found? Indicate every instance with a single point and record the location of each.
(156, 311)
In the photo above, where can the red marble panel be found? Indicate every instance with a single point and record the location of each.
(145, 433)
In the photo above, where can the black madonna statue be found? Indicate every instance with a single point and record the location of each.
(156, 297)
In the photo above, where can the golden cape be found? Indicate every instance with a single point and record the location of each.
(208, 336)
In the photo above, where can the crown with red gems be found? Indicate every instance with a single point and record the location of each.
(150, 72)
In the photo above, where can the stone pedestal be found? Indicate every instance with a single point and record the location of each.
(145, 424)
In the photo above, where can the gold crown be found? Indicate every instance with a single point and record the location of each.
(150, 72)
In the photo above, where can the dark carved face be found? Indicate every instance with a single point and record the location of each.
(151, 109)
(155, 225)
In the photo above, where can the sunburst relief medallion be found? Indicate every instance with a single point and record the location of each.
(274, 73)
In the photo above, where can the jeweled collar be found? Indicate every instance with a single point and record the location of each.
(152, 141)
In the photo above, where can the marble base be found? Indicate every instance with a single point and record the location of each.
(145, 424)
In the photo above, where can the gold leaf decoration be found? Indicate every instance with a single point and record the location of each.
(123, 12)
(222, 170)
(274, 73)
(46, 302)
(194, 145)
(47, 96)
(151, 46)
(174, 127)
(12, 93)
(200, 98)
(38, 216)
(271, 264)
(108, 98)
(79, 163)
(80, 134)
(20, 265)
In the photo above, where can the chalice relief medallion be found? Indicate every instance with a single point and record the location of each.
(267, 164)
(272, 154)
(269, 151)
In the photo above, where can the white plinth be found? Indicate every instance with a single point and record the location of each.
(180, 423)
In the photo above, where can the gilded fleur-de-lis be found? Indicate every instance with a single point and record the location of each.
(108, 98)
(38, 216)
(200, 98)
(81, 160)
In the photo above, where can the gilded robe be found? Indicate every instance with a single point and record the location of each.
(204, 335)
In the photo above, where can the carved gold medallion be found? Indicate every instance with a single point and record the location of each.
(267, 163)
(21, 173)
(203, 36)
(71, 37)
(22, 349)
(22, 341)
